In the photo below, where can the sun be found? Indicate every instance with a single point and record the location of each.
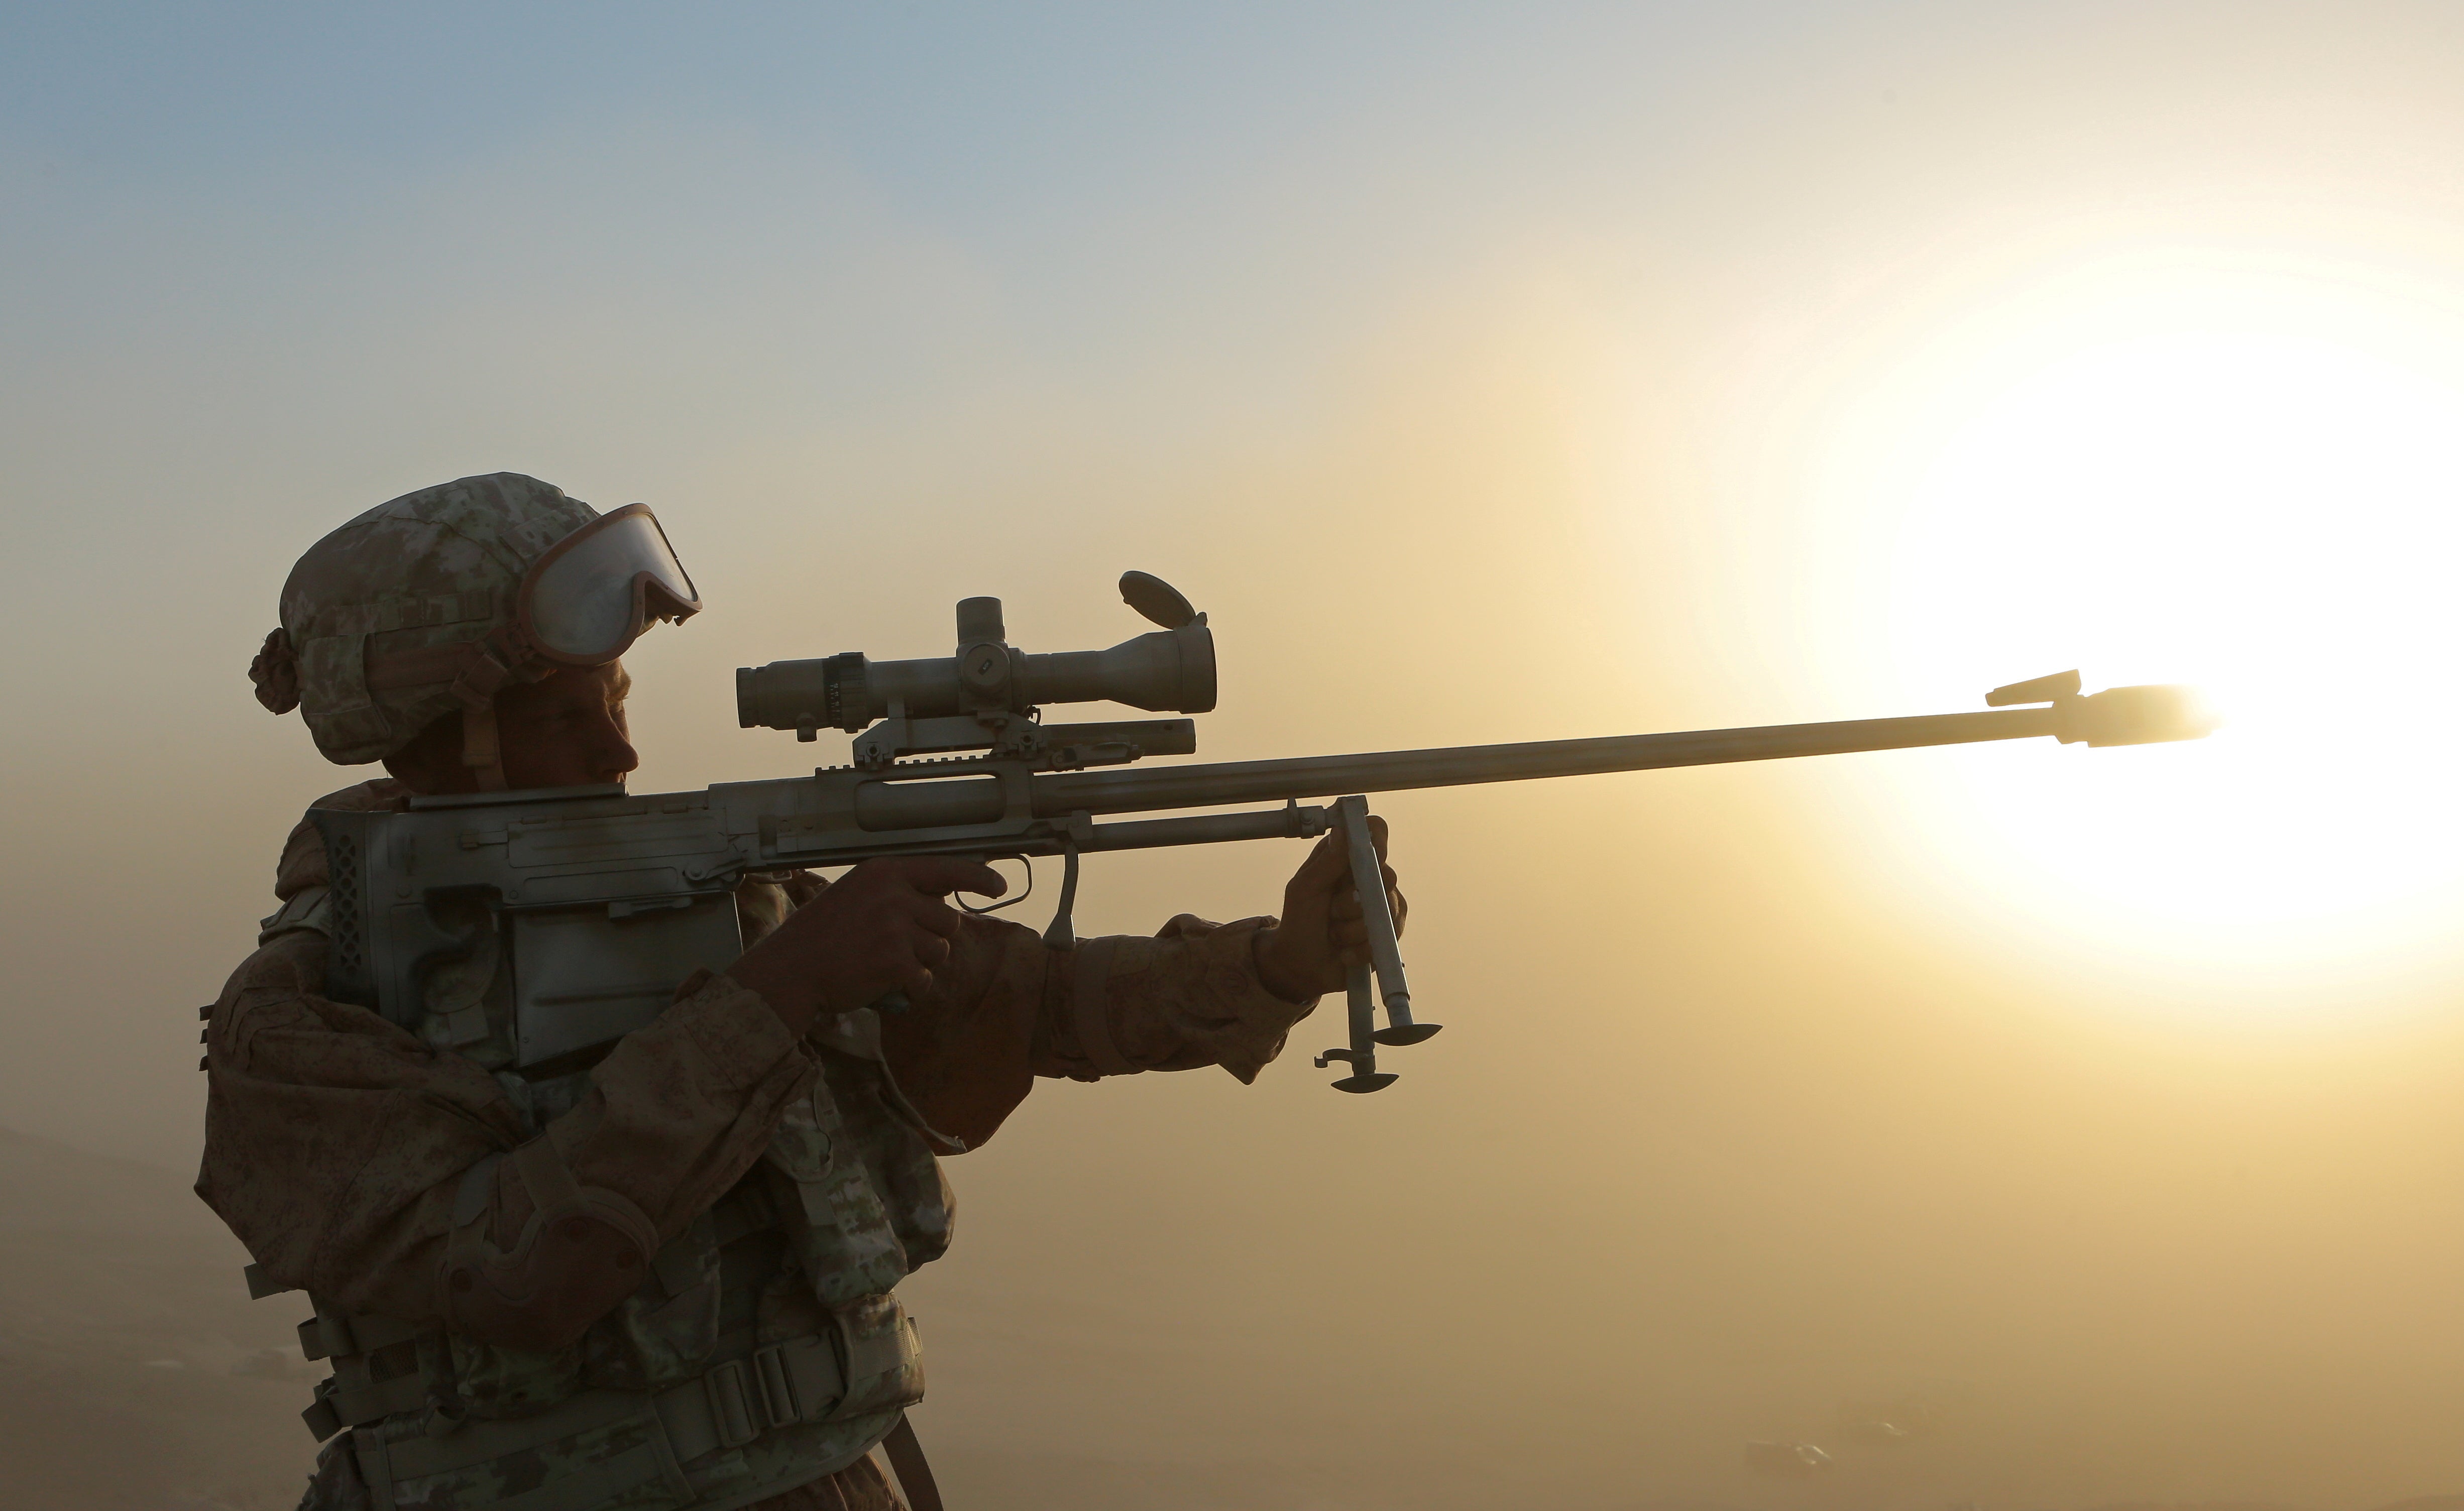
(2246, 479)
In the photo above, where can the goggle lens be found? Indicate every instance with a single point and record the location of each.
(592, 597)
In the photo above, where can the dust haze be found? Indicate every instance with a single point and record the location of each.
(1480, 372)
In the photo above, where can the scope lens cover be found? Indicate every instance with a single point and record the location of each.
(594, 592)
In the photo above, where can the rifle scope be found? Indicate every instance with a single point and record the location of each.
(1172, 668)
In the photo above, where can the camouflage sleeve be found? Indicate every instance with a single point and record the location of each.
(1009, 1008)
(337, 1144)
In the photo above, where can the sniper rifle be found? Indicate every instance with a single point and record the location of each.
(606, 900)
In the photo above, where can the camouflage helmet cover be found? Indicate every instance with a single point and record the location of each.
(430, 571)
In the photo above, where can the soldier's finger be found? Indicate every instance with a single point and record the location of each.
(1347, 898)
(933, 913)
(1377, 835)
(940, 875)
(1327, 864)
(931, 950)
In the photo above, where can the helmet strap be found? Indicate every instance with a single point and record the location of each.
(480, 750)
(485, 674)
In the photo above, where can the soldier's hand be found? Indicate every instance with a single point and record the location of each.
(885, 926)
(1322, 932)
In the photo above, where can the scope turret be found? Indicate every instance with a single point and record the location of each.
(1170, 669)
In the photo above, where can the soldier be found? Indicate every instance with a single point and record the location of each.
(661, 1277)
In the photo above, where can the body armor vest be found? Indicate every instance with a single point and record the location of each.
(764, 1351)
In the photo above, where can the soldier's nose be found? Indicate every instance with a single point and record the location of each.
(617, 756)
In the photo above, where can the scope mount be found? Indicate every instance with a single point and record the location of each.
(1006, 735)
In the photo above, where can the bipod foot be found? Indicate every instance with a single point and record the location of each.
(1406, 1033)
(1365, 1075)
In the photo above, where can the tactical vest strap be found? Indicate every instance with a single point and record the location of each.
(907, 1460)
(387, 1459)
(799, 1380)
(796, 1381)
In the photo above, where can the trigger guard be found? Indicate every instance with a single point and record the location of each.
(959, 902)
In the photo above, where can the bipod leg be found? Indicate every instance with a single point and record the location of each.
(1362, 1056)
(1385, 954)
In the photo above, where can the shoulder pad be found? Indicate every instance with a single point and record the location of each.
(307, 910)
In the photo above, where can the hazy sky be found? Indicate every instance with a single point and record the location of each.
(1487, 373)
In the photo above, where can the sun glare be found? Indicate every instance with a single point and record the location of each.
(2253, 483)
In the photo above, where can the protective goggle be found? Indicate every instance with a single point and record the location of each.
(585, 601)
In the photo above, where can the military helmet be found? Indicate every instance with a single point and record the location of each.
(433, 602)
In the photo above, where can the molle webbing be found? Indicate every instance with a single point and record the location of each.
(379, 1388)
(376, 1363)
(653, 1435)
(377, 1368)
(375, 1360)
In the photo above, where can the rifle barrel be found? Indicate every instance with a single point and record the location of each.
(1132, 790)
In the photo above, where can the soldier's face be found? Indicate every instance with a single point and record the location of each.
(566, 730)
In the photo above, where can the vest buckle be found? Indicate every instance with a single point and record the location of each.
(779, 1403)
(732, 1410)
(744, 1403)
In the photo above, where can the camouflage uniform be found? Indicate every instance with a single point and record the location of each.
(783, 1186)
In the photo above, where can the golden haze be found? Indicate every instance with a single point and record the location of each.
(2104, 1099)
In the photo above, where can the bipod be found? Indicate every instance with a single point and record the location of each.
(1385, 963)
